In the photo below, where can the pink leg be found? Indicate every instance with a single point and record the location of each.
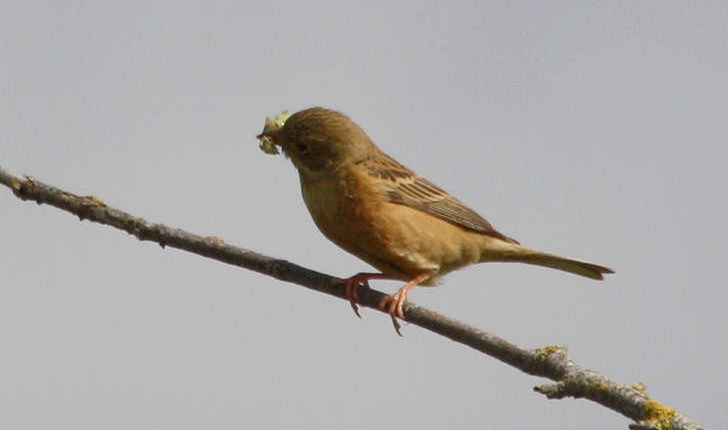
(355, 282)
(393, 304)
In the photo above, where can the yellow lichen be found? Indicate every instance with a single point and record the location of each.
(658, 415)
(214, 241)
(96, 200)
(639, 386)
(548, 350)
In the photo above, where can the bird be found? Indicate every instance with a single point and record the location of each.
(377, 209)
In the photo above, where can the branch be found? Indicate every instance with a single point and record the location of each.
(572, 379)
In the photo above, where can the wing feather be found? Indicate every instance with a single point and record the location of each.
(407, 188)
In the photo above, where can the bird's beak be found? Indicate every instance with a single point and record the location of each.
(269, 141)
(269, 137)
(271, 134)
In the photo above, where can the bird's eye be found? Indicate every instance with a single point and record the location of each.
(302, 147)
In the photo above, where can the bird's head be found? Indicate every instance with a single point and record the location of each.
(319, 139)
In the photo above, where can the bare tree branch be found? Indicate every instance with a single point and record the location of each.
(572, 379)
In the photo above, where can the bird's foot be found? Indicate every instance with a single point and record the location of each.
(394, 304)
(353, 284)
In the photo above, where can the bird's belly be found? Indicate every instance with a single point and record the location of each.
(399, 241)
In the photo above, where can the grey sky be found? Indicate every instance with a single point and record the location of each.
(594, 131)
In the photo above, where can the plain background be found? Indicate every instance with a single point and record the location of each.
(591, 130)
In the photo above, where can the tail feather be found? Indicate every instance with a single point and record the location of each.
(509, 252)
(593, 271)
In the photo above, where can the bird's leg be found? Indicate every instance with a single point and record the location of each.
(357, 281)
(393, 304)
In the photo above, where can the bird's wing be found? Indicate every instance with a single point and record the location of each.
(405, 187)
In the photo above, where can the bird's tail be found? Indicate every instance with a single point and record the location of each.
(511, 252)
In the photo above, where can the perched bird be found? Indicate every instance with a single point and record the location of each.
(375, 208)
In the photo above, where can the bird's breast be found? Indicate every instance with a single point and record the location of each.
(345, 211)
(354, 212)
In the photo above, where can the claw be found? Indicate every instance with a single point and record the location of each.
(397, 327)
(394, 304)
(352, 292)
(360, 280)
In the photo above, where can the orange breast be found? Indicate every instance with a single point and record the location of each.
(353, 211)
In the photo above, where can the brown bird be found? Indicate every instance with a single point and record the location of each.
(375, 208)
